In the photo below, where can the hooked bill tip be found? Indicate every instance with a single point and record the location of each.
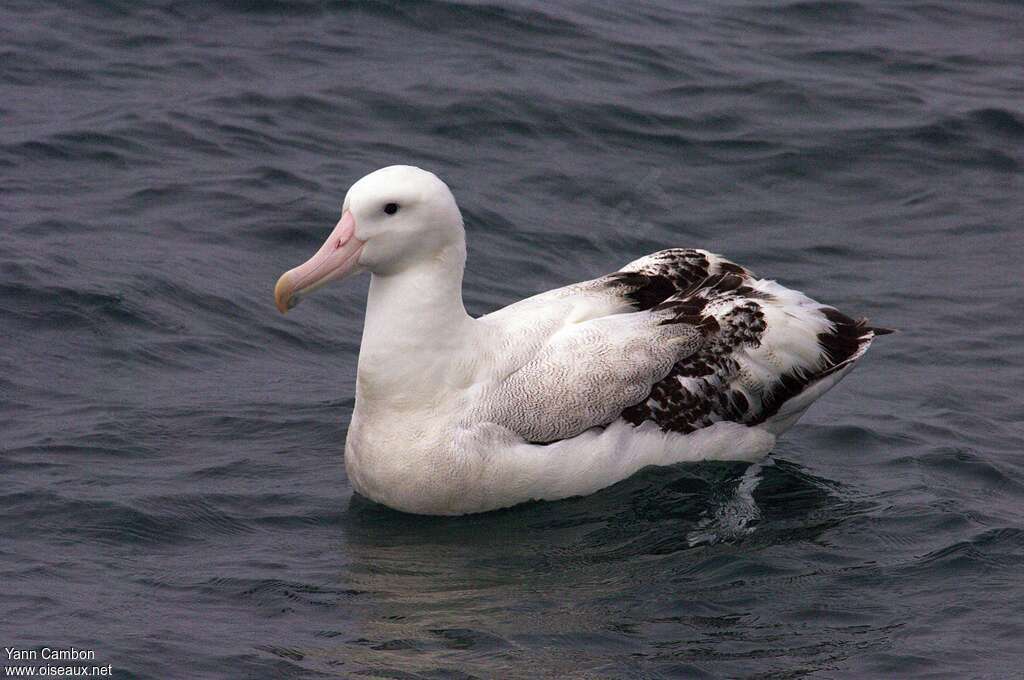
(283, 293)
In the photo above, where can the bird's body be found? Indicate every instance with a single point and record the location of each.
(679, 356)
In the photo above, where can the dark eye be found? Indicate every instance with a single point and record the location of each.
(391, 208)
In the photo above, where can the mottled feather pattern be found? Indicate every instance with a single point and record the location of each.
(565, 388)
(682, 338)
(746, 368)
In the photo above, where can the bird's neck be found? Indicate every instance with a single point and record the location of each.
(416, 327)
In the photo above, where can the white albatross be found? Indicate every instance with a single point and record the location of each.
(678, 356)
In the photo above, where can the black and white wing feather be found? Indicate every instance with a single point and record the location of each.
(775, 351)
(682, 338)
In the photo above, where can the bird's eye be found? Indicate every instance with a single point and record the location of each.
(391, 208)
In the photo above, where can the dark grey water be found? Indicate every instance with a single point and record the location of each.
(173, 493)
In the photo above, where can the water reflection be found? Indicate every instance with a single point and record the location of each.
(618, 570)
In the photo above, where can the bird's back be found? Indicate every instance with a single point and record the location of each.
(765, 352)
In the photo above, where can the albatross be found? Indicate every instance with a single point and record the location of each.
(679, 356)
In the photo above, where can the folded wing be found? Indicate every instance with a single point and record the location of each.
(682, 338)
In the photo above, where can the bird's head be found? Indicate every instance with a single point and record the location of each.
(390, 220)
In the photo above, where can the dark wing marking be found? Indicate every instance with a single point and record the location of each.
(709, 386)
(698, 288)
(840, 346)
(653, 279)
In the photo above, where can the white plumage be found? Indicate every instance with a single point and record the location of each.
(679, 356)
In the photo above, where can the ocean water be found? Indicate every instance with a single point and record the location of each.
(172, 489)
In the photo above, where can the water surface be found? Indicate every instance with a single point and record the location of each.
(173, 493)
